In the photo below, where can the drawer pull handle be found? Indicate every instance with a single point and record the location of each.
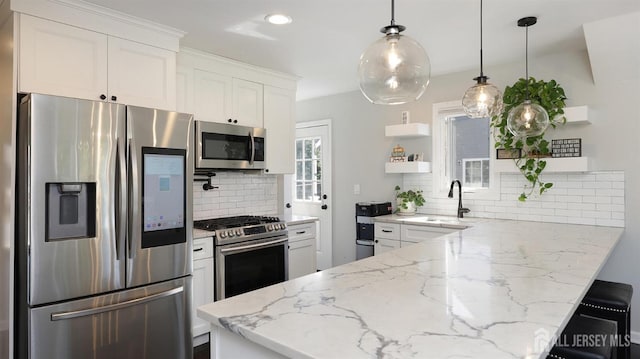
(387, 231)
(198, 249)
(301, 232)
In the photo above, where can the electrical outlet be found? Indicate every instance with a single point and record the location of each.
(356, 189)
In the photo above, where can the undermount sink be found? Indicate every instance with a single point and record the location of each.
(438, 221)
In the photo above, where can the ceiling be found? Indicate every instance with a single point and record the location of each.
(324, 42)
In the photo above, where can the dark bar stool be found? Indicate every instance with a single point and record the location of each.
(611, 301)
(578, 333)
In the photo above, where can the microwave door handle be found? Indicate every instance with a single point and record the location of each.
(252, 148)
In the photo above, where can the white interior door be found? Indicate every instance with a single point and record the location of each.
(312, 182)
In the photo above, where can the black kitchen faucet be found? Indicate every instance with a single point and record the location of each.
(461, 210)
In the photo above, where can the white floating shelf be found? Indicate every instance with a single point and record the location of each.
(407, 167)
(408, 130)
(562, 164)
(577, 115)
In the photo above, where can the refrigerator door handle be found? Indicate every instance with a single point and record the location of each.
(112, 307)
(120, 207)
(134, 212)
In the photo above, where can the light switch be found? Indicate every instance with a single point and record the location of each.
(356, 189)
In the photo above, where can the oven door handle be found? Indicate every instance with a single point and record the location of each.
(252, 246)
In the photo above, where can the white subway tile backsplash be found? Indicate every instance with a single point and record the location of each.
(238, 194)
(594, 198)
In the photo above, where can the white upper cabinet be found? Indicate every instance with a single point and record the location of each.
(212, 101)
(248, 105)
(224, 99)
(65, 60)
(279, 120)
(141, 74)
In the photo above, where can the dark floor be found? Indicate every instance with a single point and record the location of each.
(202, 351)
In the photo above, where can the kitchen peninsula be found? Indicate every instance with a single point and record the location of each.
(498, 289)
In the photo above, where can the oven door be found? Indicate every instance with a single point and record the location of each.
(223, 146)
(246, 266)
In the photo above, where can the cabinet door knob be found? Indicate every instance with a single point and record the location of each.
(103, 97)
(113, 98)
(376, 241)
(229, 120)
(235, 121)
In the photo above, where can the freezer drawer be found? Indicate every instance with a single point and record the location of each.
(147, 322)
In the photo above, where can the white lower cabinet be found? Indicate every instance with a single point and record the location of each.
(302, 249)
(389, 236)
(381, 245)
(386, 237)
(202, 282)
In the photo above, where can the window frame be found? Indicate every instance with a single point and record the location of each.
(314, 180)
(442, 149)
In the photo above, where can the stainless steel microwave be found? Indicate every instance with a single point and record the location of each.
(224, 146)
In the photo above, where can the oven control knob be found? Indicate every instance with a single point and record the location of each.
(269, 227)
(238, 232)
(230, 233)
(223, 234)
(283, 226)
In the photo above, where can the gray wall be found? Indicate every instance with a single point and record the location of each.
(611, 141)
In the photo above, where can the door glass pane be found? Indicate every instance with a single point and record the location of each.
(318, 170)
(317, 148)
(308, 174)
(298, 149)
(298, 170)
(308, 191)
(308, 170)
(307, 149)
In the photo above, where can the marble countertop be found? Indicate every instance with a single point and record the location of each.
(498, 289)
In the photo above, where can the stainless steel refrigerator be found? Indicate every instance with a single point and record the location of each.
(104, 222)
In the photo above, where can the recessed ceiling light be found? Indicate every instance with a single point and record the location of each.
(278, 19)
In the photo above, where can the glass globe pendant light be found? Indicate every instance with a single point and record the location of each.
(482, 99)
(527, 119)
(395, 69)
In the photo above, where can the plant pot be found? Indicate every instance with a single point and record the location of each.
(411, 208)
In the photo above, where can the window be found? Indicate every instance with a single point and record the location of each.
(308, 169)
(462, 149)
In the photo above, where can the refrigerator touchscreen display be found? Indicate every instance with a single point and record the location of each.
(163, 195)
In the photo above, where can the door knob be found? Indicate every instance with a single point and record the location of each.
(324, 196)
(324, 206)
(288, 205)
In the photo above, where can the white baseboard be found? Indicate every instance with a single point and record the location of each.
(635, 337)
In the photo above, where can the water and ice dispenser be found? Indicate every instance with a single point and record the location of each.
(70, 210)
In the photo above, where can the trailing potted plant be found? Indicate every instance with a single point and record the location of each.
(550, 95)
(408, 201)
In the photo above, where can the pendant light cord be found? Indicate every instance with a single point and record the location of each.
(393, 15)
(481, 62)
(526, 59)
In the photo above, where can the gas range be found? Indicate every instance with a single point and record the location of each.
(228, 230)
